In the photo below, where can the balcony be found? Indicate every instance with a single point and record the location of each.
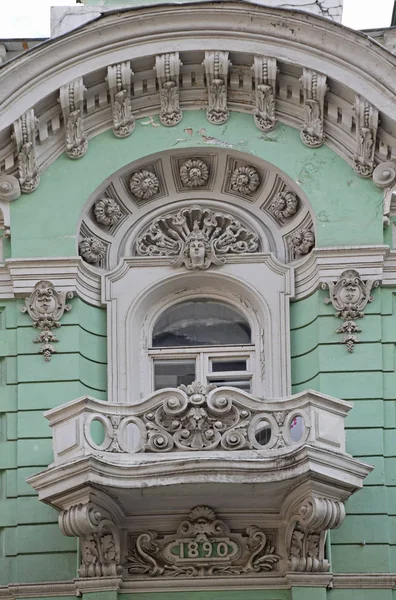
(275, 471)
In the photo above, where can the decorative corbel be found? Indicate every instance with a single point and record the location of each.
(71, 97)
(349, 296)
(167, 67)
(99, 539)
(119, 79)
(306, 534)
(216, 70)
(46, 307)
(314, 88)
(366, 133)
(265, 72)
(24, 136)
(384, 177)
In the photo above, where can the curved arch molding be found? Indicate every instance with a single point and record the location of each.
(331, 83)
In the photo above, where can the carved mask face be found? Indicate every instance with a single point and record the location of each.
(45, 302)
(350, 294)
(196, 252)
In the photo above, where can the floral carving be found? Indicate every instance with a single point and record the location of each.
(198, 238)
(245, 180)
(216, 69)
(168, 70)
(265, 72)
(349, 296)
(25, 140)
(315, 88)
(119, 78)
(302, 241)
(202, 546)
(92, 250)
(107, 212)
(144, 184)
(194, 173)
(10, 188)
(46, 307)
(366, 133)
(284, 205)
(72, 103)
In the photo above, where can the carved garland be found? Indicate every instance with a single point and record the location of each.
(198, 238)
(349, 296)
(202, 546)
(45, 307)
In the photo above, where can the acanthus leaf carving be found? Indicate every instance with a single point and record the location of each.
(366, 134)
(284, 205)
(24, 134)
(71, 97)
(216, 71)
(203, 545)
(107, 211)
(307, 536)
(349, 295)
(167, 67)
(314, 88)
(119, 79)
(99, 539)
(301, 242)
(265, 72)
(46, 307)
(198, 238)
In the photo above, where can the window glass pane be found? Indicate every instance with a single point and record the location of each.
(228, 365)
(201, 323)
(241, 384)
(172, 373)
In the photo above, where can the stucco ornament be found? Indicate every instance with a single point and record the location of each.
(366, 134)
(92, 250)
(194, 173)
(144, 184)
(202, 546)
(198, 238)
(107, 212)
(216, 70)
(71, 97)
(167, 67)
(9, 188)
(24, 135)
(284, 205)
(315, 88)
(45, 306)
(307, 536)
(349, 296)
(265, 72)
(384, 177)
(302, 241)
(119, 78)
(245, 180)
(99, 539)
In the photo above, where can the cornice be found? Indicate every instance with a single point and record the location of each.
(354, 65)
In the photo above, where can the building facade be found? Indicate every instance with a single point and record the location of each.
(197, 320)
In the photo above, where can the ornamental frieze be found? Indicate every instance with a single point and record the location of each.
(203, 546)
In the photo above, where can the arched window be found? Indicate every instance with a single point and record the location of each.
(205, 340)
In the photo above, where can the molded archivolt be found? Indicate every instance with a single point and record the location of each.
(156, 205)
(335, 85)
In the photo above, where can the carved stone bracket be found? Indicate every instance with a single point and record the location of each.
(349, 296)
(99, 538)
(265, 72)
(167, 67)
(46, 307)
(119, 78)
(71, 98)
(24, 136)
(198, 238)
(314, 88)
(202, 546)
(366, 134)
(307, 534)
(384, 177)
(216, 71)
